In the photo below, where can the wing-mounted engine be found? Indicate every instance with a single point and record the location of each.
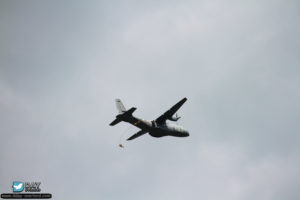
(153, 122)
(168, 115)
(176, 118)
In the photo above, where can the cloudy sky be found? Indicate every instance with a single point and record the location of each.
(62, 64)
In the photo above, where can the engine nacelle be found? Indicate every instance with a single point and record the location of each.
(176, 118)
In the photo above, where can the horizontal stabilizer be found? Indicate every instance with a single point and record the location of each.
(123, 116)
(130, 111)
(116, 121)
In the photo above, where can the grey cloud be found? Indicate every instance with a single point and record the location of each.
(63, 63)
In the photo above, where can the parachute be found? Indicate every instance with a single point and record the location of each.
(121, 137)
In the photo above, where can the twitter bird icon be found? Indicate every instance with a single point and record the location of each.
(18, 186)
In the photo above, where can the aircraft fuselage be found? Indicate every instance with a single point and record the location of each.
(158, 130)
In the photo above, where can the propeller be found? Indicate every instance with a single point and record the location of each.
(176, 118)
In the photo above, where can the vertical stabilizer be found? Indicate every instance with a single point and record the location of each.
(120, 106)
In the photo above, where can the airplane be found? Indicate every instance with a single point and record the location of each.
(156, 128)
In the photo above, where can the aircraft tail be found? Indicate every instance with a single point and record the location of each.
(124, 114)
(120, 106)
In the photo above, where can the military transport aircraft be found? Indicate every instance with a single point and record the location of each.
(156, 128)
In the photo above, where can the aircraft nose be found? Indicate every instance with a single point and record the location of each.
(187, 133)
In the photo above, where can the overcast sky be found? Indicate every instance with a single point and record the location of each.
(62, 64)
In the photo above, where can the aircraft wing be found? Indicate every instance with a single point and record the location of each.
(169, 113)
(138, 134)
